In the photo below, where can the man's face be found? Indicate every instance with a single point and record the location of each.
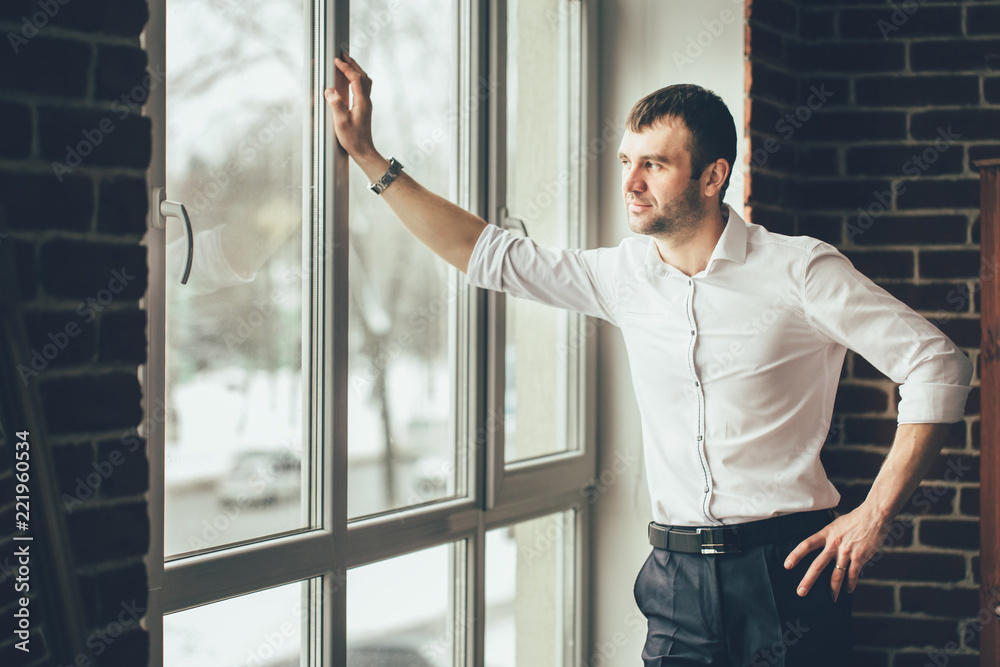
(660, 197)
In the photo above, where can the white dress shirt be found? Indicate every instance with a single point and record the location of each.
(736, 368)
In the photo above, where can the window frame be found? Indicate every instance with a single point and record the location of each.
(499, 494)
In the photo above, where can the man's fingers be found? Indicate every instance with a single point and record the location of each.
(356, 80)
(814, 571)
(353, 62)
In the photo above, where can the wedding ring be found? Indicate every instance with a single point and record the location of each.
(840, 568)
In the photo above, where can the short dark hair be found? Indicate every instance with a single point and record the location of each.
(713, 131)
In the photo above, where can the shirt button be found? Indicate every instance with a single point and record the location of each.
(692, 332)
(706, 489)
(690, 282)
(697, 384)
(699, 438)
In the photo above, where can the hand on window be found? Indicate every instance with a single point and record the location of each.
(353, 126)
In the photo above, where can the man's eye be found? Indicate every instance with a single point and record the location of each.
(652, 165)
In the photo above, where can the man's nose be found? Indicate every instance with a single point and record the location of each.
(633, 182)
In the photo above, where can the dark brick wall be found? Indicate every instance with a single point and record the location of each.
(874, 111)
(73, 154)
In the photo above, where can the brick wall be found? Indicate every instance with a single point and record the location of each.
(73, 153)
(882, 106)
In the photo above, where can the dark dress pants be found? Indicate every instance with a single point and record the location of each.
(742, 609)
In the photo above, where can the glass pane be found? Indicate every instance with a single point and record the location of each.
(402, 342)
(529, 592)
(236, 156)
(401, 611)
(542, 188)
(263, 629)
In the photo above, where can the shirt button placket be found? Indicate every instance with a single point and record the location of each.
(699, 395)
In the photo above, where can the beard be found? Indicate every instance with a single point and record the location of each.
(678, 218)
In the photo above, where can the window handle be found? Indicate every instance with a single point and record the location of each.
(515, 224)
(173, 209)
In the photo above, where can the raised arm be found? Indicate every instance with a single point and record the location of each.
(449, 230)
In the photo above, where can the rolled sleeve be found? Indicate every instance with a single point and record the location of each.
(572, 279)
(848, 308)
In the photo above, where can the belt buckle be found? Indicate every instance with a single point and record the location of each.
(709, 546)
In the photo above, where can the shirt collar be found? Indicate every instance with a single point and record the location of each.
(732, 246)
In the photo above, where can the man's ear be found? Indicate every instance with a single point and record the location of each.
(714, 176)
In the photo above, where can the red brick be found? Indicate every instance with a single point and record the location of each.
(915, 566)
(73, 270)
(776, 14)
(909, 230)
(122, 588)
(949, 534)
(954, 468)
(99, 138)
(130, 468)
(982, 20)
(869, 430)
(954, 601)
(969, 503)
(930, 498)
(825, 125)
(964, 332)
(845, 463)
(123, 336)
(44, 65)
(818, 161)
(40, 201)
(904, 159)
(840, 194)
(939, 194)
(949, 263)
(853, 57)
(881, 23)
(119, 531)
(62, 338)
(772, 83)
(121, 71)
(122, 206)
(869, 597)
(965, 123)
(111, 400)
(15, 140)
(766, 43)
(932, 296)
(903, 90)
(816, 23)
(953, 55)
(827, 228)
(860, 399)
(899, 632)
(882, 263)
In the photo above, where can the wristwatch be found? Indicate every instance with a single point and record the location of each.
(388, 177)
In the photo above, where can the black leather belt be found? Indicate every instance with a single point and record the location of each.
(737, 537)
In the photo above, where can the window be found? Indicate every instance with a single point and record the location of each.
(334, 417)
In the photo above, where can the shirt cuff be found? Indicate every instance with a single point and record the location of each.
(486, 263)
(926, 403)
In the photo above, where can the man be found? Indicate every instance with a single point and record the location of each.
(736, 337)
